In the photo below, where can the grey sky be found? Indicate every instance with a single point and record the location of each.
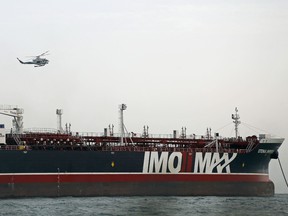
(174, 63)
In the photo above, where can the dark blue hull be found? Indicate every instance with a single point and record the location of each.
(28, 173)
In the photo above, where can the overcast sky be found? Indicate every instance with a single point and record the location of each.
(174, 63)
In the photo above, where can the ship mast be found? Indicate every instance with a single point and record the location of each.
(122, 107)
(236, 121)
(59, 113)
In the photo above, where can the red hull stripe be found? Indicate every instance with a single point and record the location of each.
(129, 177)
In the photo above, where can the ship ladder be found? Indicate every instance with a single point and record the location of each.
(16, 139)
(282, 172)
(249, 146)
(83, 141)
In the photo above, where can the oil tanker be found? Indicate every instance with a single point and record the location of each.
(54, 163)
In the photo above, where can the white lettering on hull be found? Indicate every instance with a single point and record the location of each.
(266, 151)
(166, 163)
(163, 162)
(212, 161)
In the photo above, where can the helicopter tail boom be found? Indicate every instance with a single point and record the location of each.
(20, 61)
(24, 62)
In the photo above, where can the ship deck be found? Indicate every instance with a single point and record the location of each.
(131, 142)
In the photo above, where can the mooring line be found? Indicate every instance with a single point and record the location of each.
(282, 172)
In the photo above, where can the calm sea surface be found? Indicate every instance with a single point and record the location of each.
(277, 206)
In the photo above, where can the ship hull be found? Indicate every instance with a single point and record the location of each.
(55, 173)
(57, 185)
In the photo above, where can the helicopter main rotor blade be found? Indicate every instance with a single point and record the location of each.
(45, 53)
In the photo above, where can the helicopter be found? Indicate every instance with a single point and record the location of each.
(37, 61)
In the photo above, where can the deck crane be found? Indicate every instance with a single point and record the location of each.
(16, 113)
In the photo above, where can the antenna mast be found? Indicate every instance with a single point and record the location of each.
(236, 121)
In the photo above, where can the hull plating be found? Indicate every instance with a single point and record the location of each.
(137, 189)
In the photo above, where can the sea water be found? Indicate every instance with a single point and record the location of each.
(277, 206)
